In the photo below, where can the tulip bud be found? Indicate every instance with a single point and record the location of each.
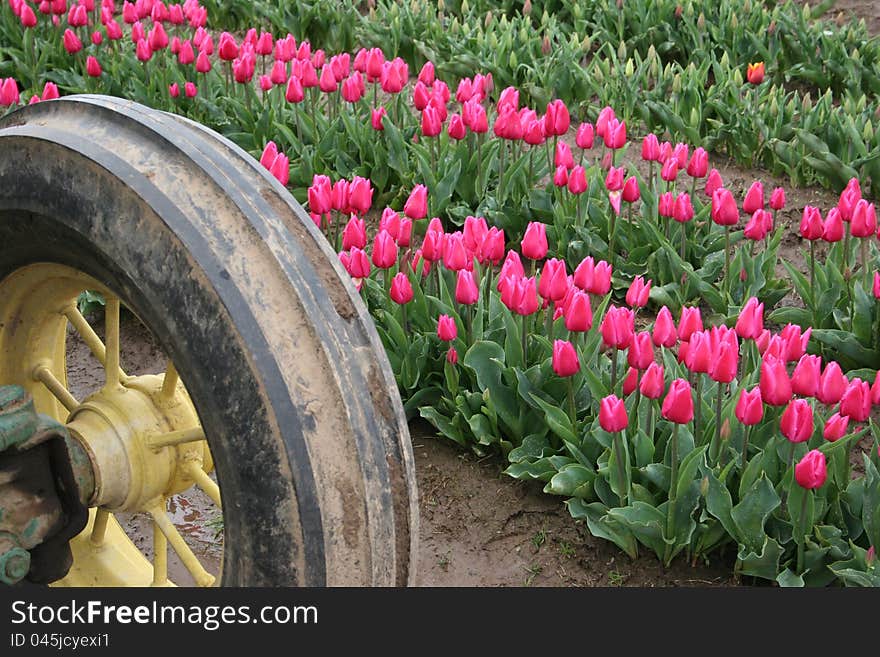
(797, 421)
(446, 328)
(401, 289)
(664, 332)
(689, 322)
(832, 384)
(678, 406)
(832, 230)
(724, 210)
(835, 427)
(651, 385)
(641, 351)
(466, 290)
(754, 199)
(812, 470)
(617, 327)
(777, 199)
(750, 322)
(749, 409)
(855, 402)
(774, 382)
(612, 414)
(638, 292)
(416, 206)
(805, 378)
(534, 242)
(565, 359)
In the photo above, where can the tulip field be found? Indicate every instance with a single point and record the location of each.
(531, 200)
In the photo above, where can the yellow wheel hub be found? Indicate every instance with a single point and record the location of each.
(141, 433)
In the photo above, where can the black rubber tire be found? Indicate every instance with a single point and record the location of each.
(272, 341)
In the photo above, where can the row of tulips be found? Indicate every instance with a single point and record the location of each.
(501, 377)
(518, 131)
(507, 349)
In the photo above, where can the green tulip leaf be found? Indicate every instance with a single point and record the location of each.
(751, 513)
(573, 480)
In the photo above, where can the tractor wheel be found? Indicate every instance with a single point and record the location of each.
(276, 378)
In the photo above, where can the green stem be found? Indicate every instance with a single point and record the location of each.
(613, 369)
(572, 411)
(716, 440)
(634, 419)
(863, 248)
(531, 164)
(745, 452)
(801, 532)
(673, 485)
(501, 171)
(621, 469)
(479, 163)
(611, 240)
(683, 240)
(674, 462)
(727, 257)
(813, 283)
(525, 340)
(698, 408)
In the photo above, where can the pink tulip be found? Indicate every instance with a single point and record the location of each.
(835, 427)
(651, 385)
(612, 414)
(699, 164)
(617, 327)
(678, 406)
(855, 402)
(750, 322)
(664, 332)
(416, 206)
(832, 384)
(754, 199)
(534, 242)
(812, 470)
(446, 328)
(774, 382)
(401, 291)
(724, 210)
(749, 408)
(805, 378)
(584, 136)
(565, 359)
(638, 293)
(811, 223)
(797, 421)
(466, 290)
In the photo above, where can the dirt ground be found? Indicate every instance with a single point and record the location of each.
(844, 10)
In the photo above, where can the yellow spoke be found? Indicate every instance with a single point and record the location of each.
(160, 557)
(111, 330)
(176, 438)
(62, 394)
(99, 528)
(203, 481)
(88, 335)
(189, 559)
(169, 385)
